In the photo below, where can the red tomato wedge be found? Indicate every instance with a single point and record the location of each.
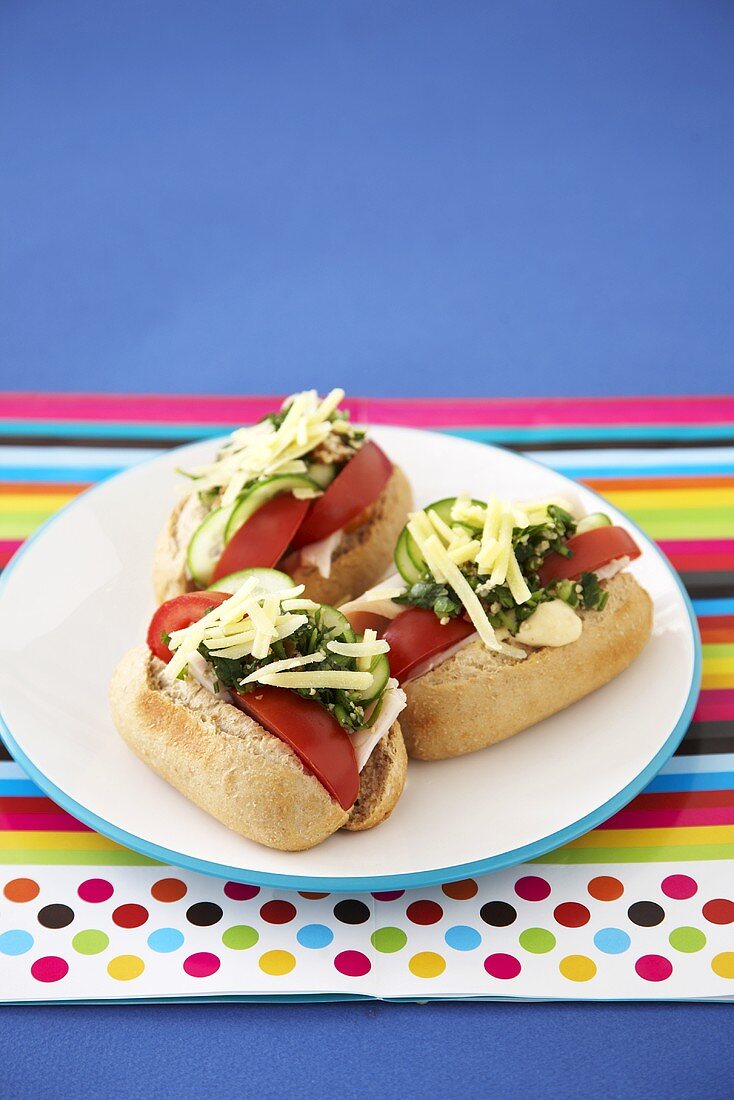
(355, 487)
(416, 636)
(367, 620)
(178, 613)
(263, 538)
(591, 551)
(315, 736)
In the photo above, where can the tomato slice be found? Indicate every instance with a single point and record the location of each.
(591, 551)
(178, 613)
(315, 736)
(355, 487)
(264, 537)
(367, 620)
(417, 635)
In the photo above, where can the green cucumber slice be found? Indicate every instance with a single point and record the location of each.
(404, 557)
(323, 473)
(380, 669)
(260, 493)
(268, 580)
(206, 545)
(408, 557)
(590, 523)
(443, 510)
(335, 626)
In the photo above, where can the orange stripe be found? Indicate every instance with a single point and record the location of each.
(614, 484)
(41, 488)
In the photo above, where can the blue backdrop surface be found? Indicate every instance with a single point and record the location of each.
(404, 198)
(407, 195)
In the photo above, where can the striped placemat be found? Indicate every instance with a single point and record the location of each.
(668, 463)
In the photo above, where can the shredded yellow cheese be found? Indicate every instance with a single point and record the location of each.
(263, 450)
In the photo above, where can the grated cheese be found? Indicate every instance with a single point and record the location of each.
(263, 450)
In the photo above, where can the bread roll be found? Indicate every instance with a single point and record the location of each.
(478, 697)
(360, 559)
(230, 766)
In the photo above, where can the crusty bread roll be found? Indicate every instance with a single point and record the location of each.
(230, 766)
(477, 697)
(360, 559)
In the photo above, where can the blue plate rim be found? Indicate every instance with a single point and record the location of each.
(431, 877)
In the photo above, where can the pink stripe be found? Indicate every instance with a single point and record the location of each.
(672, 818)
(715, 706)
(697, 546)
(7, 549)
(445, 412)
(57, 822)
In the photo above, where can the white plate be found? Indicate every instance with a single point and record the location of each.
(79, 595)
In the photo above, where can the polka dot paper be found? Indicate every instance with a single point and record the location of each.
(642, 907)
(155, 932)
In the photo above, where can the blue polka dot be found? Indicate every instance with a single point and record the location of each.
(15, 942)
(463, 938)
(612, 941)
(314, 935)
(165, 940)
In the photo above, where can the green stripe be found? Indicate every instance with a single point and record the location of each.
(20, 525)
(717, 652)
(122, 857)
(657, 854)
(685, 523)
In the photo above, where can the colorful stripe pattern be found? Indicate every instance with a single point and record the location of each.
(667, 462)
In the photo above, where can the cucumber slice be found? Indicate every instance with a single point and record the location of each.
(380, 669)
(322, 473)
(335, 626)
(590, 523)
(260, 493)
(408, 557)
(206, 545)
(443, 510)
(268, 580)
(404, 558)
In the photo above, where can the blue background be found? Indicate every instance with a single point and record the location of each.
(404, 198)
(402, 195)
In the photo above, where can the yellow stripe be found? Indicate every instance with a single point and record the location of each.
(646, 838)
(72, 840)
(629, 499)
(719, 666)
(34, 502)
(717, 683)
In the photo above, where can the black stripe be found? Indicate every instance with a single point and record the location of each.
(711, 586)
(58, 439)
(4, 754)
(706, 746)
(699, 730)
(629, 442)
(707, 737)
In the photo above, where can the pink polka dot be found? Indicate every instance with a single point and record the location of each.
(353, 964)
(202, 964)
(532, 888)
(679, 887)
(502, 966)
(388, 895)
(240, 891)
(50, 969)
(654, 968)
(95, 890)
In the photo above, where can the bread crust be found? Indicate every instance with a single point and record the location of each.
(227, 764)
(359, 561)
(479, 697)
